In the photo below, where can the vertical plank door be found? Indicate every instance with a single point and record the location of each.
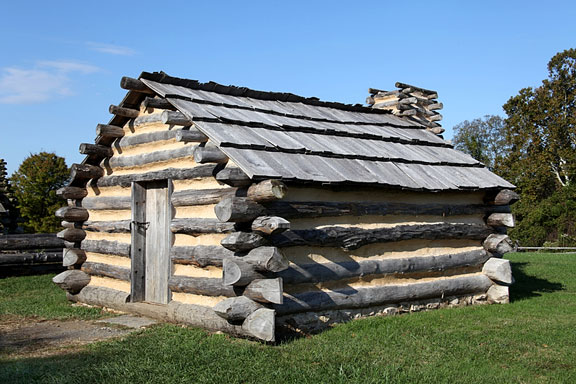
(157, 269)
(151, 241)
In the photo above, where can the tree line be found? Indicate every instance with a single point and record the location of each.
(28, 198)
(534, 147)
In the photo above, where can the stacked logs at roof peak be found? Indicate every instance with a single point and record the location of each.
(408, 100)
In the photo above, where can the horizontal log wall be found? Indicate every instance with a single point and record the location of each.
(375, 242)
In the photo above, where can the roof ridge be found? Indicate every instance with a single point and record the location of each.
(233, 90)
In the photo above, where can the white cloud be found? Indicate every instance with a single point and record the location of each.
(45, 81)
(69, 66)
(111, 49)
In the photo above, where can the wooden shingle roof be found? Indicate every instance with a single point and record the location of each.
(280, 135)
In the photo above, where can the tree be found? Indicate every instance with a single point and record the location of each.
(540, 131)
(8, 211)
(35, 184)
(482, 139)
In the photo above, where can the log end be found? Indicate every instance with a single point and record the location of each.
(72, 280)
(235, 309)
(261, 324)
(498, 270)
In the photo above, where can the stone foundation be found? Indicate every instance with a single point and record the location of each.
(314, 322)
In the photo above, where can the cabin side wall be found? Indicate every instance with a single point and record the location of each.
(363, 251)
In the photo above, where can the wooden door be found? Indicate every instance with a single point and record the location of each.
(151, 238)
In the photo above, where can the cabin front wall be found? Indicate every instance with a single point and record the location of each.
(108, 242)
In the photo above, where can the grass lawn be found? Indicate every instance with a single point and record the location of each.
(531, 340)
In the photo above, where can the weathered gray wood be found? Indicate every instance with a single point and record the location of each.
(85, 172)
(267, 259)
(266, 290)
(498, 270)
(145, 120)
(242, 208)
(194, 315)
(138, 241)
(435, 106)
(136, 85)
(109, 131)
(158, 242)
(73, 214)
(436, 130)
(498, 244)
(361, 297)
(192, 135)
(106, 247)
(106, 270)
(150, 157)
(237, 272)
(106, 202)
(29, 258)
(270, 225)
(233, 176)
(405, 86)
(73, 256)
(121, 226)
(168, 173)
(190, 197)
(209, 153)
(200, 255)
(352, 238)
(197, 226)
(238, 209)
(68, 224)
(175, 118)
(159, 103)
(72, 192)
(243, 241)
(124, 112)
(147, 137)
(95, 150)
(322, 272)
(201, 286)
(261, 324)
(72, 280)
(72, 234)
(506, 197)
(501, 219)
(267, 190)
(236, 309)
(30, 241)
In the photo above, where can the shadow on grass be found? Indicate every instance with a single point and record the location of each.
(44, 369)
(527, 286)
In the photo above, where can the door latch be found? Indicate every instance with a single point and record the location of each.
(141, 224)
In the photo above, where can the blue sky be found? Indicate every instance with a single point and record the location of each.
(61, 62)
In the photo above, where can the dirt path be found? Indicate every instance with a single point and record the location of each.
(33, 338)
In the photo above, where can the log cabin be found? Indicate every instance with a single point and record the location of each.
(253, 212)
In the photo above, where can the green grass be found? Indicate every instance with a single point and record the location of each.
(37, 296)
(531, 340)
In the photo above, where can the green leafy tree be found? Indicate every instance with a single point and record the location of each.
(483, 139)
(8, 211)
(35, 184)
(540, 132)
